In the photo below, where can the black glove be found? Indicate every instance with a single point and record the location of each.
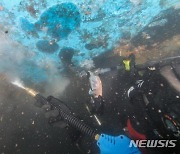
(51, 113)
(53, 117)
(97, 105)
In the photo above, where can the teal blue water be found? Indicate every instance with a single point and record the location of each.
(89, 27)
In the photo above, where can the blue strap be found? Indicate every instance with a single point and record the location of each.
(116, 145)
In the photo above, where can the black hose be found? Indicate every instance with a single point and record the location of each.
(66, 114)
(78, 124)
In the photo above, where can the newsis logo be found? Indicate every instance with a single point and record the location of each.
(153, 143)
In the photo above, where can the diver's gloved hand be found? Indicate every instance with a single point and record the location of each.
(53, 114)
(96, 105)
(116, 145)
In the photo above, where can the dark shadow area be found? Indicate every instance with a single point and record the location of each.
(164, 26)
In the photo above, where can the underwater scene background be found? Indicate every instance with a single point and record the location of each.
(88, 27)
(42, 41)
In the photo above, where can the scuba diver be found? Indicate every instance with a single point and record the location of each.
(155, 100)
(150, 118)
(97, 102)
(60, 115)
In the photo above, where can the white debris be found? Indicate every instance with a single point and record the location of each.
(146, 35)
(32, 122)
(177, 96)
(161, 85)
(152, 68)
(137, 123)
(125, 129)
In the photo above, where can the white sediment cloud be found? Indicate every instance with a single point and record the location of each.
(12, 57)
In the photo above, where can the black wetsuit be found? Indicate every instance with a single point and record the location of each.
(151, 97)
